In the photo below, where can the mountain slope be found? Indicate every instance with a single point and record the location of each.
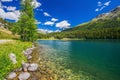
(104, 26)
(105, 20)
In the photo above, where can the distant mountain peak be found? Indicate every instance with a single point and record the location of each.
(112, 14)
(117, 9)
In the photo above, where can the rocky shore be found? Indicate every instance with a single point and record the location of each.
(42, 67)
(27, 68)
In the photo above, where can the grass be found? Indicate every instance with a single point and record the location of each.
(15, 47)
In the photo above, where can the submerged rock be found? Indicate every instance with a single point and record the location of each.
(33, 67)
(13, 58)
(24, 76)
(12, 75)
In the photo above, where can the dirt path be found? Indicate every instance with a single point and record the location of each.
(4, 41)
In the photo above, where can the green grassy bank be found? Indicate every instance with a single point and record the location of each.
(15, 47)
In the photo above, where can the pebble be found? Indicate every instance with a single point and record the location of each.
(29, 57)
(25, 66)
(24, 76)
(12, 75)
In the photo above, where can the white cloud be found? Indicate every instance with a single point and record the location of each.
(97, 9)
(47, 31)
(107, 3)
(6, 0)
(47, 14)
(11, 8)
(10, 15)
(36, 4)
(63, 24)
(101, 5)
(37, 22)
(54, 19)
(102, 8)
(49, 23)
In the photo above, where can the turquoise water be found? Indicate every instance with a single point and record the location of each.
(98, 58)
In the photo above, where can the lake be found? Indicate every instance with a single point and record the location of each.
(96, 59)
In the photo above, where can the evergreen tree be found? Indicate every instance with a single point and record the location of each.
(27, 28)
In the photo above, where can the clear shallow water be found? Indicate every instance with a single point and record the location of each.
(98, 58)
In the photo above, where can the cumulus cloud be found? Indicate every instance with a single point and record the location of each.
(10, 15)
(6, 0)
(101, 5)
(47, 14)
(10, 8)
(47, 31)
(49, 23)
(36, 4)
(54, 19)
(63, 24)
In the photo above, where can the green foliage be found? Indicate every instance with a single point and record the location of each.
(26, 27)
(15, 47)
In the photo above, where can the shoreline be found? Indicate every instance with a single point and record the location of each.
(61, 39)
(77, 39)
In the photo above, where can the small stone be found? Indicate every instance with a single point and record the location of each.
(24, 76)
(12, 75)
(29, 57)
(29, 51)
(25, 66)
(33, 67)
(17, 70)
(13, 58)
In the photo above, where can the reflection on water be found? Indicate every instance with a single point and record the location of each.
(100, 60)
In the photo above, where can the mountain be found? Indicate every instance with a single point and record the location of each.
(104, 26)
(105, 20)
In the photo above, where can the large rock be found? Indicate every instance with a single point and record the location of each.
(24, 76)
(13, 58)
(12, 75)
(33, 67)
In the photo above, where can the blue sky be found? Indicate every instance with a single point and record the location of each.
(54, 15)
